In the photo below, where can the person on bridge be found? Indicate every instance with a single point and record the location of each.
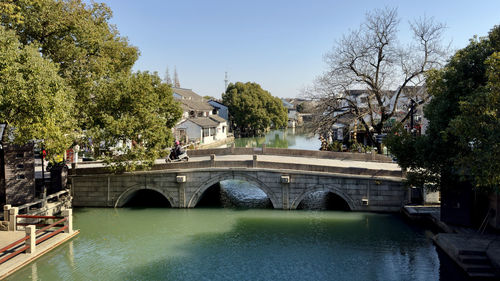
(177, 151)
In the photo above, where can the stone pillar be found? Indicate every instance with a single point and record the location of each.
(212, 160)
(182, 196)
(263, 148)
(181, 179)
(232, 148)
(285, 191)
(254, 162)
(6, 212)
(68, 213)
(12, 219)
(31, 242)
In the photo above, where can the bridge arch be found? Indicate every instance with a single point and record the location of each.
(195, 198)
(330, 188)
(131, 191)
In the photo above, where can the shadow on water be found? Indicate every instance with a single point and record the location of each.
(146, 198)
(323, 200)
(211, 198)
(303, 248)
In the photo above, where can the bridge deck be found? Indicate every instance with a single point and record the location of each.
(343, 166)
(301, 160)
(281, 159)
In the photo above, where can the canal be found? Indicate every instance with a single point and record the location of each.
(294, 138)
(237, 244)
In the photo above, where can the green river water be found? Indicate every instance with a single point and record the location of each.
(229, 244)
(293, 138)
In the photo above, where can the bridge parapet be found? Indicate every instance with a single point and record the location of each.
(368, 157)
(255, 162)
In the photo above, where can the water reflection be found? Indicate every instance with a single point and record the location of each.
(34, 272)
(300, 138)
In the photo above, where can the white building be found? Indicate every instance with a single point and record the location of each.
(198, 122)
(202, 129)
(291, 113)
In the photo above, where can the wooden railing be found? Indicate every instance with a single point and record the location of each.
(14, 245)
(30, 240)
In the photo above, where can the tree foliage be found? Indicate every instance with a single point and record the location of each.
(371, 60)
(91, 58)
(253, 110)
(80, 40)
(462, 141)
(139, 109)
(35, 101)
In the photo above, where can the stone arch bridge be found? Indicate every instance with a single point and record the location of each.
(284, 175)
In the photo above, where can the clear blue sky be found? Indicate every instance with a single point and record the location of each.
(277, 43)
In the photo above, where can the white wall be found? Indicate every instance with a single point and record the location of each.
(220, 135)
(193, 131)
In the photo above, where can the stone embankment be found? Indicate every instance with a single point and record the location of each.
(477, 254)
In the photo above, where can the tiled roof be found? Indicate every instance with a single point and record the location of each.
(187, 94)
(196, 105)
(204, 122)
(217, 118)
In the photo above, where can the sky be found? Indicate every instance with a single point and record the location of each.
(278, 44)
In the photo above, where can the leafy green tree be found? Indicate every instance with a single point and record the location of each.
(140, 109)
(35, 101)
(462, 141)
(80, 40)
(110, 103)
(253, 110)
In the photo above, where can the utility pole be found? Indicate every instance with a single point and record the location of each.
(226, 81)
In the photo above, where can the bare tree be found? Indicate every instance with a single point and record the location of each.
(369, 72)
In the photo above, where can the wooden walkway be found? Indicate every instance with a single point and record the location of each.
(17, 262)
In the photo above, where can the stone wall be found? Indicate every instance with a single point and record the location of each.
(372, 157)
(285, 188)
(18, 184)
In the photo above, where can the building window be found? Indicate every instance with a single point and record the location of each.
(223, 129)
(192, 113)
(19, 155)
(206, 132)
(200, 114)
(20, 177)
(20, 166)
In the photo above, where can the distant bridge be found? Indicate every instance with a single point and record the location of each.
(366, 182)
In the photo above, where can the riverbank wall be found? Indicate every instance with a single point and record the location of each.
(477, 254)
